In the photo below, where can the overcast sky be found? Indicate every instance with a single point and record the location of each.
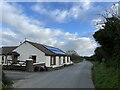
(68, 25)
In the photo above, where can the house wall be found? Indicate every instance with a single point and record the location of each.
(26, 50)
(62, 60)
(4, 59)
(69, 59)
(9, 57)
(58, 63)
(65, 59)
(57, 60)
(48, 61)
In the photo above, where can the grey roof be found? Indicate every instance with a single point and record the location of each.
(43, 48)
(7, 50)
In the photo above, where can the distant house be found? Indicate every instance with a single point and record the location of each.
(51, 56)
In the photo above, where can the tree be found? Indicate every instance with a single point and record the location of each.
(74, 56)
(71, 52)
(109, 36)
(109, 39)
(99, 54)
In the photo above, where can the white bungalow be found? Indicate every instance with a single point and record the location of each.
(51, 56)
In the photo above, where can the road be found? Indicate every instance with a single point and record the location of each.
(75, 76)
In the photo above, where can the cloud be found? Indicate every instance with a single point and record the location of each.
(98, 23)
(17, 26)
(108, 12)
(77, 11)
(84, 46)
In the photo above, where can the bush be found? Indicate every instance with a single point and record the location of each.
(105, 77)
(76, 58)
(112, 62)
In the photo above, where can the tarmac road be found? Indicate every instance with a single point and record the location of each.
(75, 76)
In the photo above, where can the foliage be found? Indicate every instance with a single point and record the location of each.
(74, 56)
(105, 77)
(109, 36)
(109, 39)
(106, 70)
(6, 83)
(71, 52)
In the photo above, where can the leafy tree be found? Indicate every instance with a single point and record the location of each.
(74, 56)
(109, 39)
(71, 52)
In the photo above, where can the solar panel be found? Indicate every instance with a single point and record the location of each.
(54, 50)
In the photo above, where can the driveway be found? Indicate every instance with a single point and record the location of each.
(75, 76)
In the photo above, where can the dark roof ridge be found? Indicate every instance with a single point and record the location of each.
(40, 44)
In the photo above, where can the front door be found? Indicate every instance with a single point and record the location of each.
(14, 58)
(34, 59)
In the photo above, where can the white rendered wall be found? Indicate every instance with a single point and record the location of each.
(61, 59)
(57, 60)
(65, 59)
(9, 57)
(26, 50)
(4, 61)
(69, 59)
(48, 61)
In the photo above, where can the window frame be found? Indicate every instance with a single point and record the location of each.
(34, 59)
(63, 59)
(67, 59)
(53, 60)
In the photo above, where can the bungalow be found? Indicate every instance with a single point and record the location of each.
(51, 56)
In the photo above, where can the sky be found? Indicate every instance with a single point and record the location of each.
(66, 25)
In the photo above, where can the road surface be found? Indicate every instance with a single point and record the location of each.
(75, 76)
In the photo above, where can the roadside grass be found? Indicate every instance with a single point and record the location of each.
(104, 77)
(0, 85)
(5, 87)
(6, 82)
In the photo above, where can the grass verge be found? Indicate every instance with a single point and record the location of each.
(104, 77)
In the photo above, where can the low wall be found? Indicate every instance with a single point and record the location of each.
(21, 68)
(14, 67)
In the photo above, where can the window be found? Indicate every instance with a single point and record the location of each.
(53, 60)
(64, 59)
(2, 59)
(34, 59)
